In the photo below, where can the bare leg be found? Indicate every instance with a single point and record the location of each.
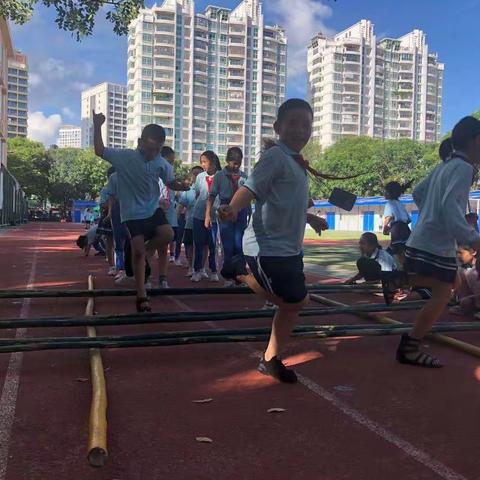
(189, 255)
(162, 260)
(138, 262)
(109, 245)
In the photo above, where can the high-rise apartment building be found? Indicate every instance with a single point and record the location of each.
(17, 105)
(214, 80)
(111, 100)
(69, 136)
(6, 51)
(384, 89)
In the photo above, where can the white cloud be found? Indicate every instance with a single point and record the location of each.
(68, 112)
(34, 79)
(42, 128)
(302, 19)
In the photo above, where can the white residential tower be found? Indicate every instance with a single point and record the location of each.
(111, 100)
(17, 106)
(384, 89)
(213, 80)
(69, 136)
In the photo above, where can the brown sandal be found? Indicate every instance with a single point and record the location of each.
(143, 305)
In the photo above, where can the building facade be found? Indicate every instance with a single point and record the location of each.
(17, 105)
(111, 100)
(384, 89)
(213, 80)
(69, 136)
(6, 51)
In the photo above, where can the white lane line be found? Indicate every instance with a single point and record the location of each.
(8, 400)
(406, 447)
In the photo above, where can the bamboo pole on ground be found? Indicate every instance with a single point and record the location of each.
(111, 292)
(443, 339)
(182, 317)
(97, 435)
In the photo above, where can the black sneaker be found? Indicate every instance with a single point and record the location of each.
(276, 369)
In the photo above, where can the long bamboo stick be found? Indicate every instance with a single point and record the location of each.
(444, 339)
(181, 317)
(97, 436)
(110, 292)
(163, 339)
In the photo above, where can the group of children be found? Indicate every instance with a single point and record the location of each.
(271, 260)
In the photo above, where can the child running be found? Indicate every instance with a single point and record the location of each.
(374, 260)
(396, 220)
(273, 240)
(225, 184)
(442, 199)
(186, 200)
(138, 173)
(204, 237)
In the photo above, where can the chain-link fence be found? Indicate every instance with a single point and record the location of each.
(13, 203)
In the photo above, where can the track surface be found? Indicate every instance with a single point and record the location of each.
(356, 415)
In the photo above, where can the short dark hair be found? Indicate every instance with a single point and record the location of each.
(234, 153)
(196, 167)
(153, 131)
(293, 104)
(393, 190)
(445, 149)
(213, 158)
(110, 171)
(166, 150)
(371, 238)
(464, 131)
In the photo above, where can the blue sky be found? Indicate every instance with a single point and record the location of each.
(61, 67)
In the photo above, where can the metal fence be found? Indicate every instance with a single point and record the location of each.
(13, 203)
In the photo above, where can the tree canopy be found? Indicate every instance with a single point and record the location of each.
(378, 162)
(77, 17)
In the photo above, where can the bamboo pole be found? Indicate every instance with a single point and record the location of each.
(443, 339)
(163, 339)
(110, 292)
(97, 436)
(181, 317)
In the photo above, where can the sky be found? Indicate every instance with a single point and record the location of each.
(61, 67)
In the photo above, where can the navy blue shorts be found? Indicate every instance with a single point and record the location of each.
(147, 226)
(282, 276)
(188, 236)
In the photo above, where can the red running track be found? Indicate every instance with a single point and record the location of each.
(356, 414)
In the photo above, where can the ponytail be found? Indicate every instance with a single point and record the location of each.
(446, 149)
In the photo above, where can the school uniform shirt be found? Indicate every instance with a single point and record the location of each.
(384, 259)
(91, 234)
(88, 216)
(111, 188)
(138, 188)
(168, 194)
(225, 185)
(397, 211)
(187, 199)
(442, 199)
(280, 186)
(203, 185)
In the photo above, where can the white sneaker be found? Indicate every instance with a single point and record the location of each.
(120, 273)
(171, 259)
(269, 306)
(148, 285)
(214, 277)
(130, 281)
(203, 273)
(178, 263)
(163, 284)
(197, 277)
(190, 272)
(112, 271)
(229, 283)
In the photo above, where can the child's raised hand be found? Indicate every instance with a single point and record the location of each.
(226, 213)
(98, 118)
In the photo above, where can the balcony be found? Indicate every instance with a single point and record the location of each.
(164, 40)
(164, 52)
(235, 51)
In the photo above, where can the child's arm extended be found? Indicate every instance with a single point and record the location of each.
(353, 280)
(98, 121)
(242, 199)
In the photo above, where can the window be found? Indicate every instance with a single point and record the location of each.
(147, 38)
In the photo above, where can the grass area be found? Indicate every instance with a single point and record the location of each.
(335, 260)
(338, 235)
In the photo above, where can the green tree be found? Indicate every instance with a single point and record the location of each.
(75, 174)
(376, 160)
(30, 165)
(77, 17)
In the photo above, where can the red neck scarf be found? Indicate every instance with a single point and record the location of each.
(209, 180)
(234, 179)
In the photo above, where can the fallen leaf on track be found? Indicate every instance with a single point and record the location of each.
(203, 439)
(203, 400)
(82, 380)
(276, 410)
